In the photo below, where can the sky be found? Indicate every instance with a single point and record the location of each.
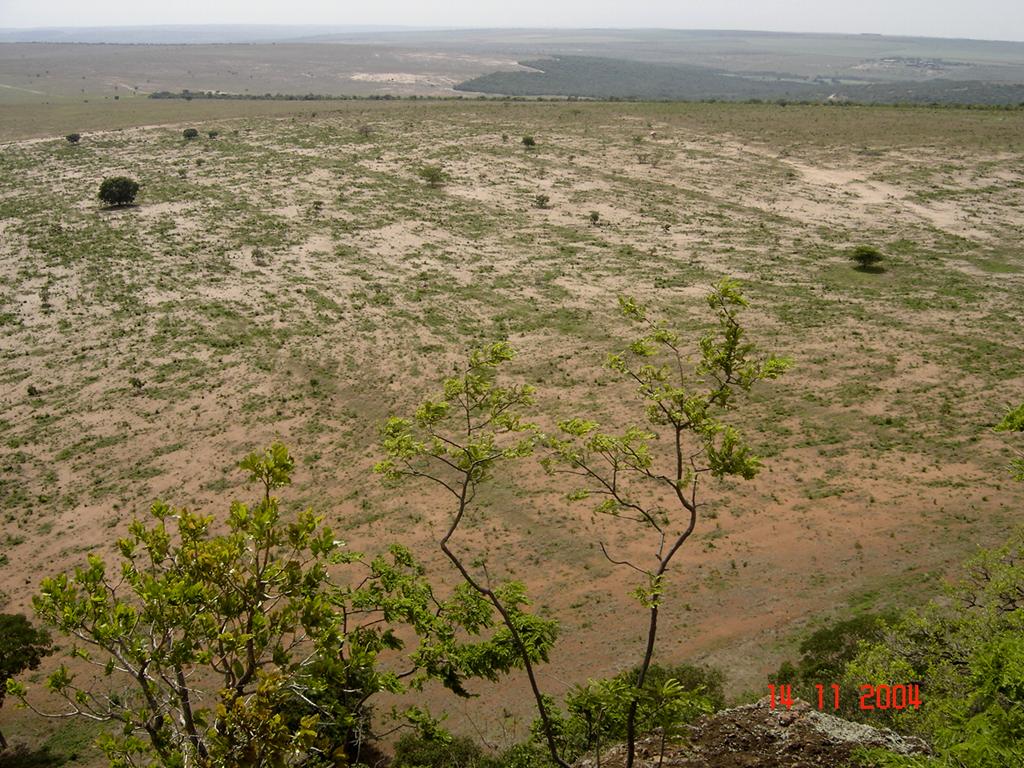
(984, 19)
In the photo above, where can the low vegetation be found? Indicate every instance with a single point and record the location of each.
(1014, 422)
(295, 281)
(434, 175)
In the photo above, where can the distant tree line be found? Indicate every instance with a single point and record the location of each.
(890, 98)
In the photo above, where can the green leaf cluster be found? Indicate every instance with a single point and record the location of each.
(967, 654)
(462, 435)
(118, 190)
(685, 401)
(597, 712)
(259, 642)
(1014, 422)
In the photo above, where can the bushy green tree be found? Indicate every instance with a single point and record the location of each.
(190, 133)
(684, 440)
(118, 190)
(824, 655)
(458, 442)
(967, 655)
(826, 651)
(867, 257)
(22, 648)
(73, 138)
(239, 648)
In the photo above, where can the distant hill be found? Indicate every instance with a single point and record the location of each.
(247, 60)
(184, 34)
(603, 78)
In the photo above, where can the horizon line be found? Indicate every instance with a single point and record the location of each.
(477, 28)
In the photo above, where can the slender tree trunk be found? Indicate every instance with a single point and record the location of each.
(652, 633)
(187, 716)
(507, 620)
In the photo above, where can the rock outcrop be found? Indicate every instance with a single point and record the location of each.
(755, 736)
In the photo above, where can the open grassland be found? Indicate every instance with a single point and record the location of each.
(28, 121)
(294, 278)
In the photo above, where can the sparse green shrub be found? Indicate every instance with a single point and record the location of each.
(867, 257)
(595, 217)
(73, 138)
(529, 142)
(542, 201)
(1014, 422)
(599, 712)
(707, 680)
(118, 190)
(213, 134)
(417, 751)
(434, 175)
(190, 133)
(529, 754)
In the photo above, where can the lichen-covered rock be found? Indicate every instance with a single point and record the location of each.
(755, 736)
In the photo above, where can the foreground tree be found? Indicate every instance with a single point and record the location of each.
(459, 442)
(73, 138)
(238, 649)
(22, 648)
(966, 654)
(684, 440)
(118, 190)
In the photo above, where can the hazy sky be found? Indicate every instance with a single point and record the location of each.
(991, 19)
